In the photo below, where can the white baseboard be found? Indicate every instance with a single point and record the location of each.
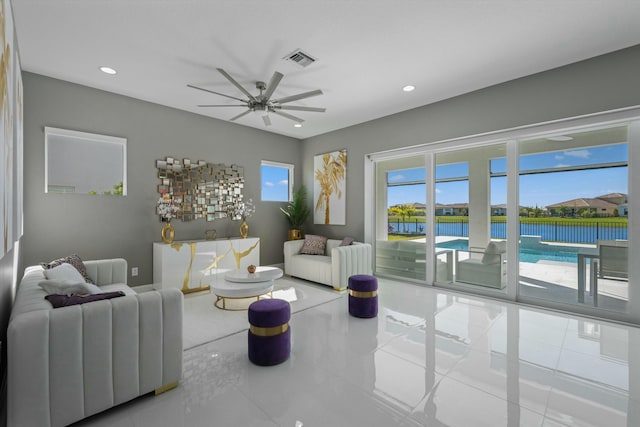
(143, 288)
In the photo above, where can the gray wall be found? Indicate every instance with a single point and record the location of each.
(101, 226)
(599, 84)
(56, 225)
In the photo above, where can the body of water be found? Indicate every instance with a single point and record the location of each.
(526, 255)
(552, 232)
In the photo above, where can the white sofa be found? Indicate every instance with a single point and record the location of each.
(68, 363)
(333, 268)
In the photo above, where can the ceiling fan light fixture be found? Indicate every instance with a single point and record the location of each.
(297, 125)
(262, 105)
(260, 110)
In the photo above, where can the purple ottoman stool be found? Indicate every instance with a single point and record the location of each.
(269, 332)
(363, 296)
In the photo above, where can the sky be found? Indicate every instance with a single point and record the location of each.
(535, 189)
(275, 183)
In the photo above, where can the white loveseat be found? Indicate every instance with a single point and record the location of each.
(333, 268)
(68, 363)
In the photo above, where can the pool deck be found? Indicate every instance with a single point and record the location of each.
(558, 281)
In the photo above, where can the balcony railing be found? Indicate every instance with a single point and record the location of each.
(552, 231)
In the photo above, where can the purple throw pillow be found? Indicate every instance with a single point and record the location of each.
(347, 241)
(58, 301)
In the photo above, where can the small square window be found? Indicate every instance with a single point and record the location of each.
(276, 181)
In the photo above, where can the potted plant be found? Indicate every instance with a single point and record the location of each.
(297, 212)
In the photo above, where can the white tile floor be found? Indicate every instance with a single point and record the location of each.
(430, 358)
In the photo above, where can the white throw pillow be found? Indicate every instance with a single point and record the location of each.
(67, 287)
(493, 251)
(64, 272)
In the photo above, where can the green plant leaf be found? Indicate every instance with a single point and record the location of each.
(297, 211)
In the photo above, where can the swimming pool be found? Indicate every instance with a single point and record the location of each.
(526, 255)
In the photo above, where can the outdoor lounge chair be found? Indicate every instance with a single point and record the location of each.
(613, 261)
(407, 258)
(484, 267)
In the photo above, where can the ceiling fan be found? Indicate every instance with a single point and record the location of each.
(263, 103)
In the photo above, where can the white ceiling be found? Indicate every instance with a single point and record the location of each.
(367, 50)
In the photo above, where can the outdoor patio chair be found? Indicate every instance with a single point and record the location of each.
(483, 267)
(613, 261)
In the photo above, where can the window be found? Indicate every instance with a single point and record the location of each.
(276, 181)
(84, 163)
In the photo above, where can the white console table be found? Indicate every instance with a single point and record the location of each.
(193, 266)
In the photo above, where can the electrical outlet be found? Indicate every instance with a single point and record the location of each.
(134, 271)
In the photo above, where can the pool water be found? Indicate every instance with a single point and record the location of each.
(526, 255)
(535, 256)
(460, 244)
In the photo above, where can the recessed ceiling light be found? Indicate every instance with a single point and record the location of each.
(560, 138)
(108, 70)
(297, 125)
(408, 88)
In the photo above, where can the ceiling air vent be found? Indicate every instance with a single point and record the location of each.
(301, 58)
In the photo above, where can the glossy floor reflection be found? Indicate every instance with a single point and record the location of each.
(430, 358)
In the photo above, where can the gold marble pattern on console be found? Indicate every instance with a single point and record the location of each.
(240, 255)
(185, 284)
(213, 265)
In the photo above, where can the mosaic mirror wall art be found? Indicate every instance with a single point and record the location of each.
(201, 189)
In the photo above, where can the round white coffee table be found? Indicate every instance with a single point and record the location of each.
(262, 274)
(239, 284)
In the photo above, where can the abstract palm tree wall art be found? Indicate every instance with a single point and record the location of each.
(11, 136)
(6, 126)
(329, 188)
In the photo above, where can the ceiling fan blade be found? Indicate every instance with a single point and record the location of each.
(298, 96)
(217, 93)
(236, 84)
(240, 115)
(273, 84)
(288, 116)
(297, 108)
(224, 105)
(266, 120)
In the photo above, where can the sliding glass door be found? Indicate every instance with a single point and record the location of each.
(400, 248)
(470, 217)
(574, 218)
(540, 215)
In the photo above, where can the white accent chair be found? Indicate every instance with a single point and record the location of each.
(483, 267)
(68, 363)
(333, 268)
